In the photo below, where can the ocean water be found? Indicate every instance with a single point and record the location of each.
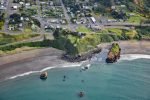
(128, 79)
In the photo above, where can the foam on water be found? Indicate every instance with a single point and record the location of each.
(45, 69)
(128, 57)
(24, 74)
(134, 57)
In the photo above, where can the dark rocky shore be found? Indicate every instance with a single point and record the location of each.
(81, 57)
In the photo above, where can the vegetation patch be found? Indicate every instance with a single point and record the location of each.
(84, 29)
(6, 38)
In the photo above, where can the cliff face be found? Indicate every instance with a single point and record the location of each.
(114, 53)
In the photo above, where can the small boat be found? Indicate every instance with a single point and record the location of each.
(86, 67)
(81, 94)
(43, 76)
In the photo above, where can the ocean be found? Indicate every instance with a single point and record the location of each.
(128, 79)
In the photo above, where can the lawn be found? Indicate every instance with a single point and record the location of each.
(135, 19)
(131, 34)
(115, 30)
(1, 25)
(84, 29)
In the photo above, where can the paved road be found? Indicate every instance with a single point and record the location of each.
(125, 24)
(70, 26)
(39, 17)
(8, 6)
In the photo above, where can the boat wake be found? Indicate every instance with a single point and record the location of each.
(130, 57)
(45, 69)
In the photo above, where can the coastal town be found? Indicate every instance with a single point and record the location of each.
(73, 30)
(77, 27)
(44, 16)
(74, 49)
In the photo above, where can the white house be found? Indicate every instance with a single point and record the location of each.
(113, 7)
(123, 6)
(93, 19)
(15, 7)
(21, 3)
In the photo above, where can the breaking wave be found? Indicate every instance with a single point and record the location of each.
(128, 57)
(45, 69)
(134, 56)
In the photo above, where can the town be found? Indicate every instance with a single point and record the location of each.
(44, 16)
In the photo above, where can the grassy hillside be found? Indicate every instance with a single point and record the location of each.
(74, 44)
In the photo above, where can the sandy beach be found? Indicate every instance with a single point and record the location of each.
(36, 60)
(26, 61)
(131, 47)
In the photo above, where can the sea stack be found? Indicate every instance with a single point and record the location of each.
(43, 76)
(114, 53)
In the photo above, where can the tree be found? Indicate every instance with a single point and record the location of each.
(56, 33)
(15, 18)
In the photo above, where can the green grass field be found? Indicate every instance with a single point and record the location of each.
(84, 29)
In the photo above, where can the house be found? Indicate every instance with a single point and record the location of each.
(51, 3)
(96, 27)
(111, 20)
(95, 5)
(21, 18)
(86, 7)
(123, 6)
(42, 2)
(113, 7)
(72, 15)
(93, 19)
(27, 5)
(54, 21)
(63, 21)
(21, 3)
(11, 27)
(2, 7)
(131, 14)
(83, 20)
(27, 19)
(78, 22)
(68, 9)
(14, 7)
(20, 25)
(34, 27)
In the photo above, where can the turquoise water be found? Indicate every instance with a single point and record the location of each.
(124, 80)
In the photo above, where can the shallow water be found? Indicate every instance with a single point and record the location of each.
(124, 80)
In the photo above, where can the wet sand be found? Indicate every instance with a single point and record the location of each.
(26, 61)
(36, 60)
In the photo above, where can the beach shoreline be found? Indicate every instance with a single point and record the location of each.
(43, 59)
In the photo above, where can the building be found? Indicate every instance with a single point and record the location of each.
(93, 19)
(113, 7)
(15, 7)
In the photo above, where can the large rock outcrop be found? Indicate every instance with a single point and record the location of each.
(114, 53)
